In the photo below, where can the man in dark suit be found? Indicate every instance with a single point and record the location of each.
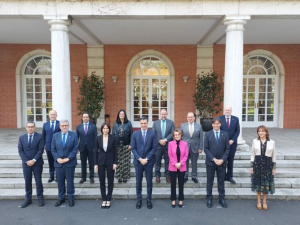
(192, 134)
(49, 128)
(163, 129)
(143, 146)
(87, 133)
(216, 148)
(31, 147)
(64, 148)
(231, 125)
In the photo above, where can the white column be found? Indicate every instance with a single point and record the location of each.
(233, 82)
(60, 58)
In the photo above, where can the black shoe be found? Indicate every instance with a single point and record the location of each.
(107, 206)
(125, 181)
(173, 206)
(149, 205)
(26, 203)
(120, 181)
(103, 206)
(180, 205)
(92, 181)
(59, 202)
(223, 203)
(82, 181)
(185, 180)
(231, 180)
(209, 203)
(71, 203)
(41, 202)
(51, 179)
(195, 180)
(139, 204)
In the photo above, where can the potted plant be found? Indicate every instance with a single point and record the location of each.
(208, 98)
(91, 98)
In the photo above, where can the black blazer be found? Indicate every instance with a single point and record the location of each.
(108, 158)
(89, 137)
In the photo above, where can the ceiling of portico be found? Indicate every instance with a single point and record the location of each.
(201, 30)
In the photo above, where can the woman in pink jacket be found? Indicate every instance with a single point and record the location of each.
(178, 154)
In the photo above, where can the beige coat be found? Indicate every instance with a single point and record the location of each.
(270, 151)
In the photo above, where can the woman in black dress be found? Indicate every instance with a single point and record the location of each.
(263, 165)
(106, 159)
(122, 131)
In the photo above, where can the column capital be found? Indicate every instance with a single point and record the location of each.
(59, 22)
(235, 23)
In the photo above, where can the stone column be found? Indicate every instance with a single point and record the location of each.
(60, 58)
(233, 80)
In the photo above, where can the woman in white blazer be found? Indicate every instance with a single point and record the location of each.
(263, 165)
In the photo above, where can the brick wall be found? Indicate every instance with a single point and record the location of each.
(116, 59)
(9, 58)
(290, 57)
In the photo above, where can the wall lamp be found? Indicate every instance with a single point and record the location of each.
(114, 78)
(76, 78)
(185, 78)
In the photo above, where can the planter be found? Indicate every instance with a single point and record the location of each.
(206, 124)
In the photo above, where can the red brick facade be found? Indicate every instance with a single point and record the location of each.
(290, 57)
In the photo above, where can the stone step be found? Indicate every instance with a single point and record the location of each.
(200, 163)
(157, 193)
(17, 183)
(238, 172)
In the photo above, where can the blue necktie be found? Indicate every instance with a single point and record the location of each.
(144, 136)
(64, 140)
(217, 137)
(163, 129)
(30, 140)
(52, 127)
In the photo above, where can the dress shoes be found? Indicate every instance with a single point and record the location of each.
(103, 206)
(41, 202)
(223, 203)
(168, 179)
(120, 181)
(231, 180)
(258, 206)
(59, 202)
(139, 204)
(173, 206)
(26, 203)
(92, 181)
(51, 179)
(82, 181)
(185, 180)
(180, 205)
(265, 206)
(195, 180)
(149, 205)
(71, 203)
(125, 181)
(157, 179)
(209, 203)
(107, 206)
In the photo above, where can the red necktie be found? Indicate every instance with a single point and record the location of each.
(227, 122)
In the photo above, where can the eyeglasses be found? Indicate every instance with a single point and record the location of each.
(64, 125)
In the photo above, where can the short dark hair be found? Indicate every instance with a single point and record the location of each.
(30, 122)
(125, 116)
(215, 120)
(103, 125)
(86, 113)
(144, 118)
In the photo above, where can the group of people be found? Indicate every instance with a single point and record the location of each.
(111, 151)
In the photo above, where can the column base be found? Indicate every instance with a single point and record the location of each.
(242, 148)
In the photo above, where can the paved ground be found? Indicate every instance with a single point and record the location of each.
(239, 212)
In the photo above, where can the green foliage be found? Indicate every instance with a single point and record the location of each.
(208, 96)
(91, 95)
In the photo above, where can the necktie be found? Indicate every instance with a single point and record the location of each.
(227, 122)
(191, 129)
(30, 140)
(217, 137)
(85, 129)
(144, 136)
(163, 129)
(52, 127)
(64, 140)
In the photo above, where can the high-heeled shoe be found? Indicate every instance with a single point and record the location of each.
(180, 205)
(265, 206)
(258, 205)
(107, 206)
(103, 206)
(173, 205)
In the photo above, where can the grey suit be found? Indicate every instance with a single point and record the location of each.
(162, 150)
(195, 143)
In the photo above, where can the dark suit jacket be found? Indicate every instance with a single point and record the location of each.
(214, 150)
(170, 127)
(108, 157)
(47, 133)
(141, 149)
(34, 152)
(90, 137)
(234, 128)
(69, 151)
